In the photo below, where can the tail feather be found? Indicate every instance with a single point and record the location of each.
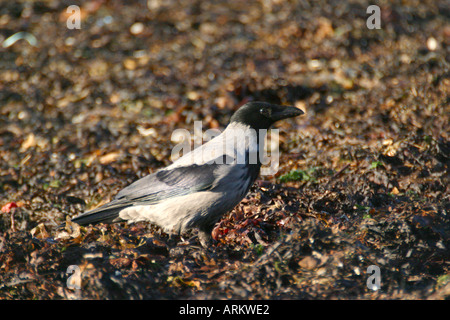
(106, 214)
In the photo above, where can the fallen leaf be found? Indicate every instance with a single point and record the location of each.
(7, 207)
(308, 263)
(109, 157)
(40, 232)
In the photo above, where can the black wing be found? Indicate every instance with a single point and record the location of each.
(166, 184)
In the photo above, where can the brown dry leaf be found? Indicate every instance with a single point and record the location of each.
(325, 29)
(40, 232)
(98, 68)
(72, 231)
(193, 95)
(186, 282)
(129, 64)
(110, 157)
(308, 263)
(63, 235)
(30, 141)
(120, 262)
(73, 228)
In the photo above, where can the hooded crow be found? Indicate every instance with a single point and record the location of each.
(197, 189)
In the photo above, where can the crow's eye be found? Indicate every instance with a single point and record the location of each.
(265, 112)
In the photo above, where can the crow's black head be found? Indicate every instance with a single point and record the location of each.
(261, 115)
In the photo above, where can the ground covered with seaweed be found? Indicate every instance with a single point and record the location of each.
(363, 176)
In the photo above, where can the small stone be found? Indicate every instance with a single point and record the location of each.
(137, 28)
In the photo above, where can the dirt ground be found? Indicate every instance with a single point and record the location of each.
(363, 177)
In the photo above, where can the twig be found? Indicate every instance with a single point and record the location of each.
(337, 174)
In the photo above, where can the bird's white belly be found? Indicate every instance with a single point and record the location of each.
(185, 212)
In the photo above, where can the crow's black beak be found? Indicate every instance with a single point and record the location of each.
(284, 112)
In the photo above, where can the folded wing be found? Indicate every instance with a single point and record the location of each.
(152, 189)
